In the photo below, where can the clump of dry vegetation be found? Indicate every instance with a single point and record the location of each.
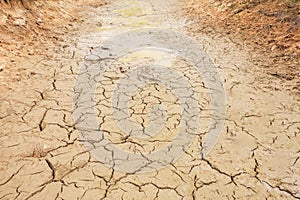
(12, 3)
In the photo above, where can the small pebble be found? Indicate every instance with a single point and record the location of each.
(39, 21)
(273, 48)
(20, 22)
(30, 52)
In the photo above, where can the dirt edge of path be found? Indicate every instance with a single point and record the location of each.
(37, 28)
(268, 28)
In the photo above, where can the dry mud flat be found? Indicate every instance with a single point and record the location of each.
(50, 139)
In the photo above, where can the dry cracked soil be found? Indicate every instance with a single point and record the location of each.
(77, 123)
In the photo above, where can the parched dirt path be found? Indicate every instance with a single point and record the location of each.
(43, 156)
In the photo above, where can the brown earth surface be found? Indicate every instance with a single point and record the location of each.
(269, 27)
(36, 28)
(47, 53)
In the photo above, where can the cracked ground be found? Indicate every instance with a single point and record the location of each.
(43, 155)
